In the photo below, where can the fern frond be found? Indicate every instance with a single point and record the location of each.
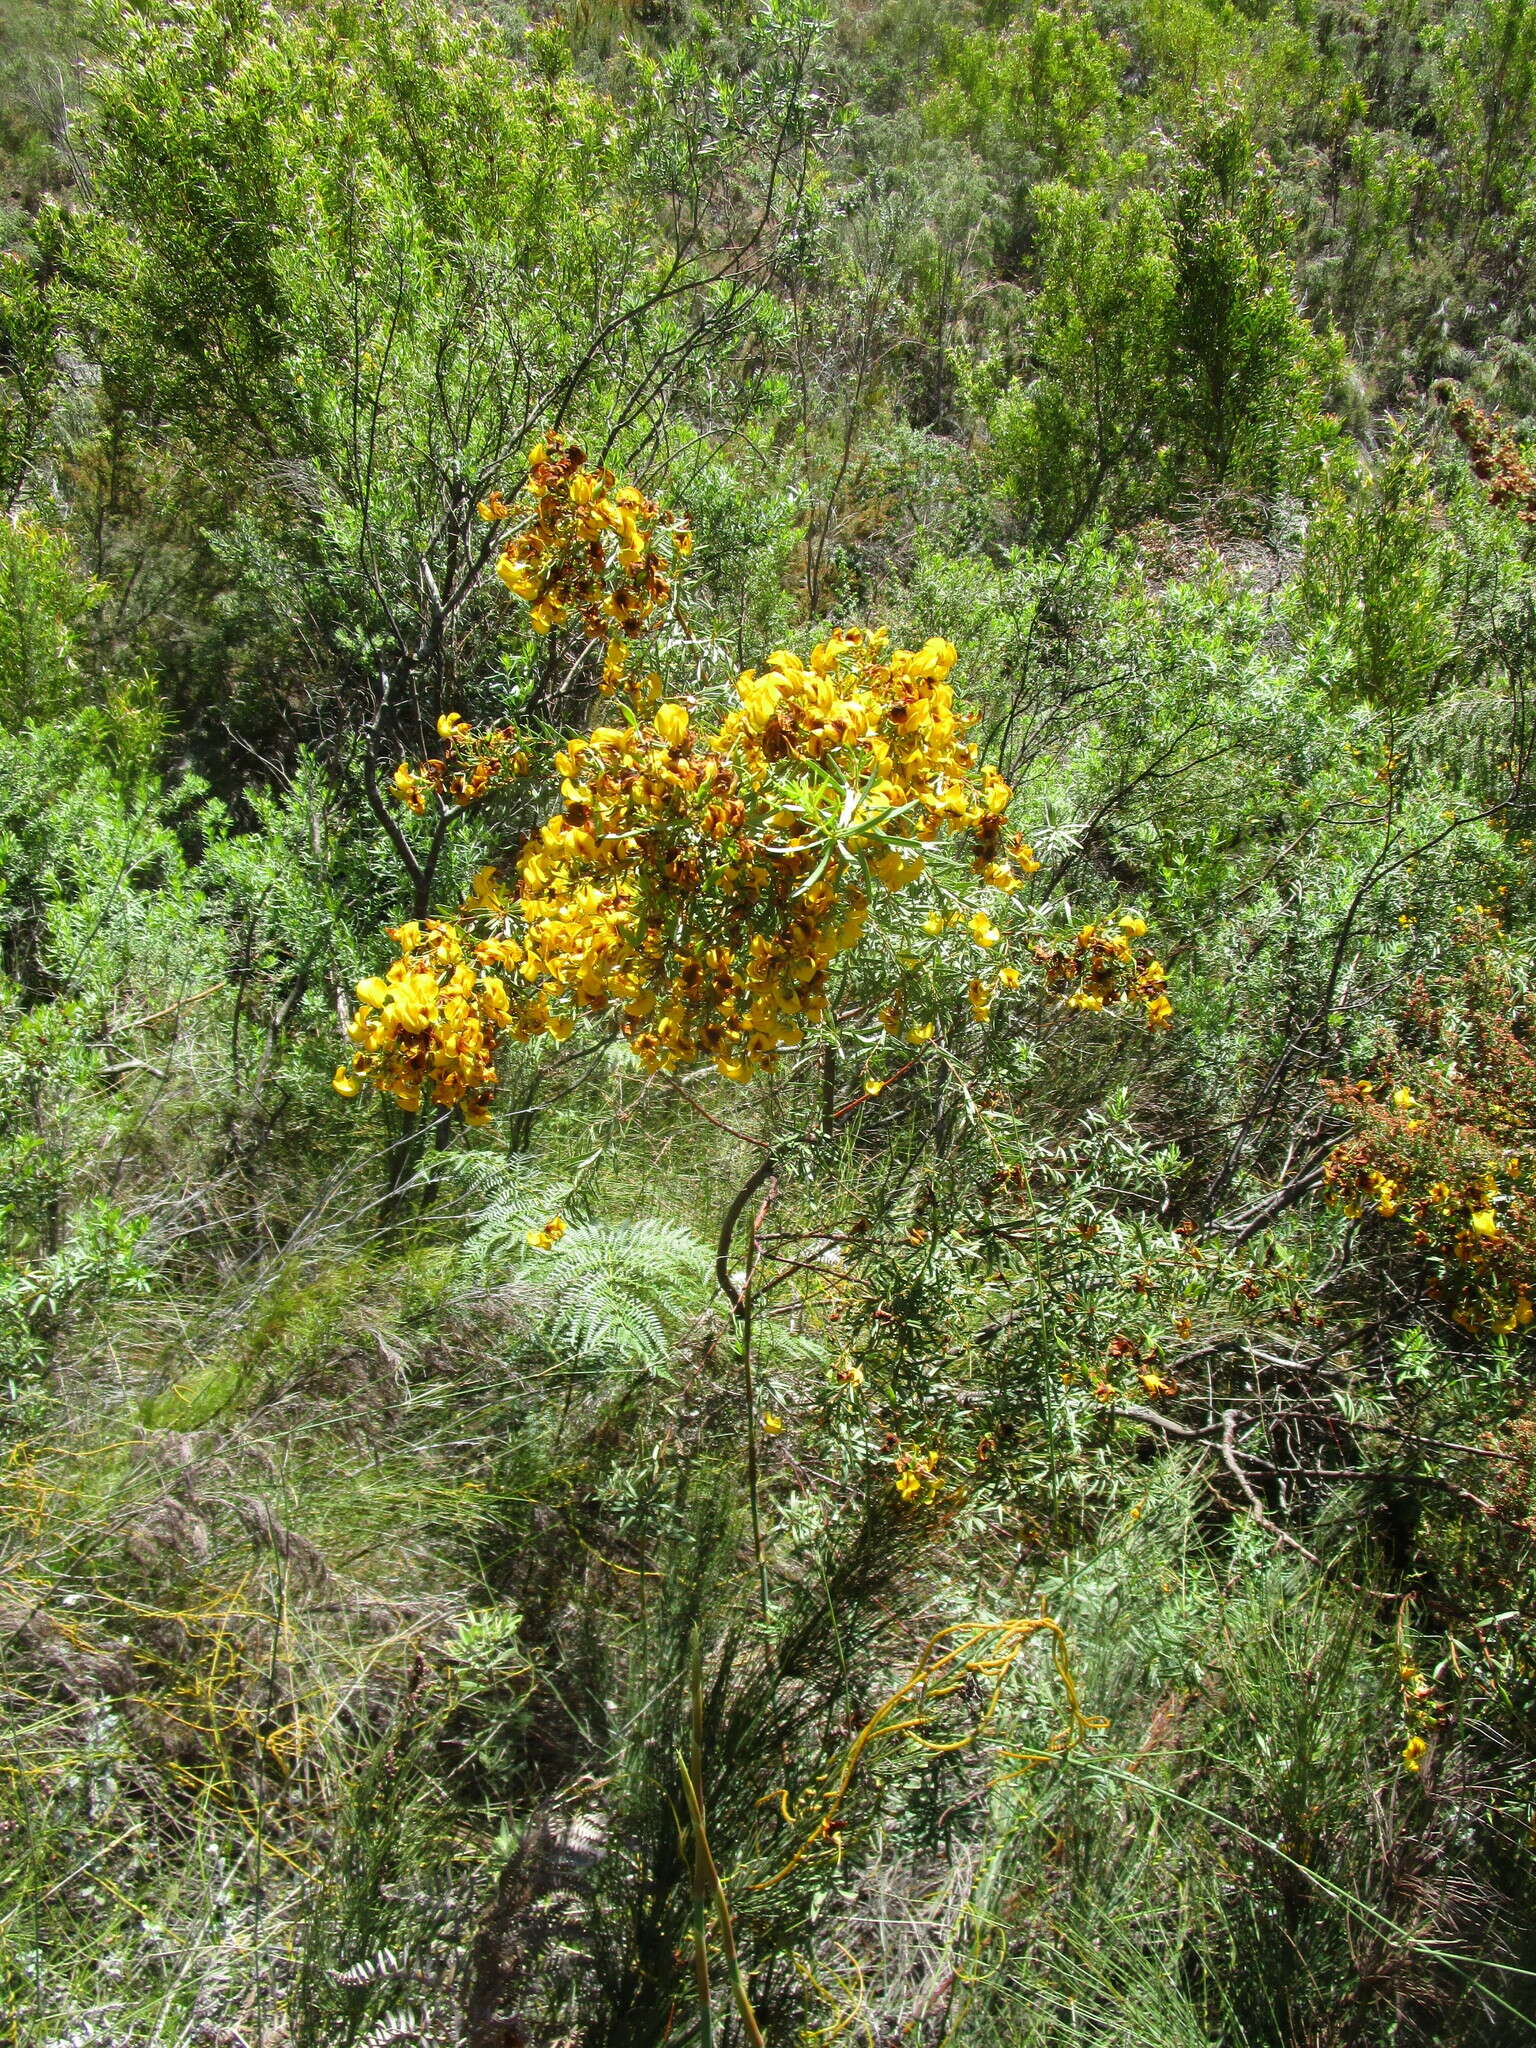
(503, 1202)
(375, 1969)
(406, 2024)
(619, 1293)
(607, 1295)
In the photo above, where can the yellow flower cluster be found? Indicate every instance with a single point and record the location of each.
(917, 1474)
(703, 882)
(699, 882)
(427, 1030)
(890, 727)
(469, 766)
(1383, 1191)
(1102, 969)
(583, 546)
(1484, 1248)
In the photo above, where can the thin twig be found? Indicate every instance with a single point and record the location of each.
(1250, 1493)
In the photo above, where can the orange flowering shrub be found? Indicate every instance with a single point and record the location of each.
(469, 767)
(1441, 1145)
(582, 546)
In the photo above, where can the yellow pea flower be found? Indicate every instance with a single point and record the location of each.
(522, 581)
(760, 695)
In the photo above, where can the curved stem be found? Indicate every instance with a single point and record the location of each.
(740, 1299)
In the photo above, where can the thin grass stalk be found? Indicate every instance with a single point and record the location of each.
(700, 1872)
(740, 1299)
(704, 1862)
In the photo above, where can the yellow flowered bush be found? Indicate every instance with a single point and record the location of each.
(702, 881)
(470, 766)
(703, 874)
(427, 1029)
(584, 548)
(1441, 1139)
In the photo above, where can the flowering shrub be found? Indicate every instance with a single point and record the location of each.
(470, 765)
(700, 880)
(1441, 1143)
(583, 546)
(427, 1029)
(1101, 967)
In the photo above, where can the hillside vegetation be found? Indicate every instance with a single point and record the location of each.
(767, 1073)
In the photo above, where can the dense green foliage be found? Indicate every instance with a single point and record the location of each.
(1008, 1526)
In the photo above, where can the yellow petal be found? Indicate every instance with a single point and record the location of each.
(672, 723)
